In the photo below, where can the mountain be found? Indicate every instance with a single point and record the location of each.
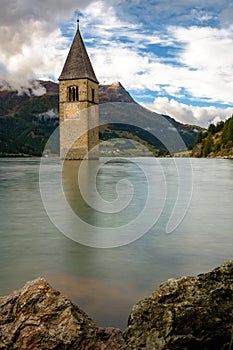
(27, 120)
(114, 93)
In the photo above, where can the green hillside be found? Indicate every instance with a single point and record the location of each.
(217, 141)
(27, 121)
(25, 124)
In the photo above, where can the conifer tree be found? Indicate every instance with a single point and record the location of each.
(208, 145)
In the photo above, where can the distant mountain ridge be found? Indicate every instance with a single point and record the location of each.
(27, 121)
(114, 92)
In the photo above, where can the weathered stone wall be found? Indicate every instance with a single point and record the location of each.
(83, 114)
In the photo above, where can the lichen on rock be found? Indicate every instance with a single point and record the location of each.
(186, 313)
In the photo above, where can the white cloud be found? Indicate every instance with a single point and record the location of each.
(51, 114)
(201, 70)
(189, 114)
(184, 12)
(42, 57)
(202, 67)
(123, 49)
(102, 21)
(32, 45)
(207, 54)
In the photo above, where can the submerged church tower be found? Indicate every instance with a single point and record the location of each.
(78, 105)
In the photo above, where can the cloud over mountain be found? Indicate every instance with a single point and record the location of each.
(179, 51)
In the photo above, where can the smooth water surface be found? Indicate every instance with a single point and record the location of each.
(107, 282)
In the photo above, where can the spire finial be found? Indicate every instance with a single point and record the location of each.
(77, 15)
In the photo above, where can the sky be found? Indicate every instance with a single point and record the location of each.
(174, 57)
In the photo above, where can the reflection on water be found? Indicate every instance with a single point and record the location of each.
(107, 282)
(96, 198)
(97, 297)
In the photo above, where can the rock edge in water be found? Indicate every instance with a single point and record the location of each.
(185, 313)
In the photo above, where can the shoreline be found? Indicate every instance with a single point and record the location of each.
(57, 156)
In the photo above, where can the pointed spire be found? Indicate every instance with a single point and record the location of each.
(77, 14)
(78, 64)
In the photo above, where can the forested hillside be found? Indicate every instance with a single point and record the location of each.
(217, 141)
(27, 121)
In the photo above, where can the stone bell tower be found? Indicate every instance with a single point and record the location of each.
(78, 105)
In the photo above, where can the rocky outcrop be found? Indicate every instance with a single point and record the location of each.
(189, 313)
(114, 92)
(37, 318)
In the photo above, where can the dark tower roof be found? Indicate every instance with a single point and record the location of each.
(78, 64)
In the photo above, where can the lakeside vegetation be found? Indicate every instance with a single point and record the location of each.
(217, 141)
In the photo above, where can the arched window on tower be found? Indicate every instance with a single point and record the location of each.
(93, 95)
(69, 94)
(76, 94)
(73, 93)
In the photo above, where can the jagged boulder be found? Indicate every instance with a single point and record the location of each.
(38, 317)
(189, 313)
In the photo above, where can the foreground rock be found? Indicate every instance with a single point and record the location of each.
(189, 313)
(186, 313)
(37, 318)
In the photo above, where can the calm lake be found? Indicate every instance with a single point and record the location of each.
(105, 283)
